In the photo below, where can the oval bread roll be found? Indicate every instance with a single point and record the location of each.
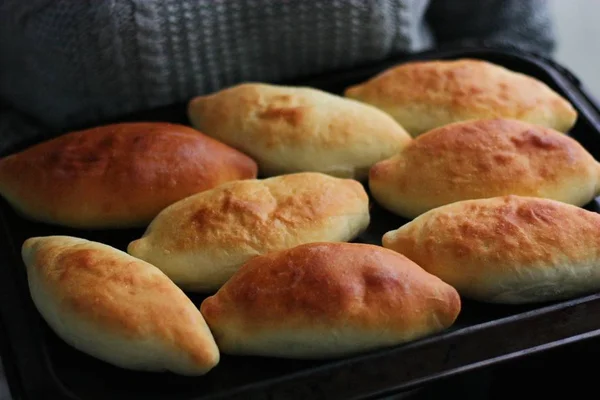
(113, 307)
(506, 249)
(428, 94)
(484, 158)
(323, 300)
(201, 241)
(297, 129)
(117, 176)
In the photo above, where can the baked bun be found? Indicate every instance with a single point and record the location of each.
(113, 307)
(201, 241)
(322, 300)
(117, 176)
(484, 158)
(506, 249)
(297, 129)
(425, 95)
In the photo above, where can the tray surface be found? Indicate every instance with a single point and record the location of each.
(40, 365)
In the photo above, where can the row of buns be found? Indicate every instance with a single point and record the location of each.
(313, 301)
(475, 153)
(123, 175)
(318, 299)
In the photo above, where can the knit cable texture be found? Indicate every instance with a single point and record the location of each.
(75, 63)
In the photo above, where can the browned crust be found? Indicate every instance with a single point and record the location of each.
(485, 158)
(117, 175)
(326, 285)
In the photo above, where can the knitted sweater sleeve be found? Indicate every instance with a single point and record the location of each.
(75, 63)
(521, 24)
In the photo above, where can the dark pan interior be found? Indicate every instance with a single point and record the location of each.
(41, 365)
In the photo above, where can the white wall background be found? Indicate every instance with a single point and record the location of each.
(578, 35)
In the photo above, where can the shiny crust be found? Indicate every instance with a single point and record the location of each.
(428, 94)
(485, 158)
(328, 299)
(201, 241)
(118, 175)
(116, 308)
(506, 249)
(296, 129)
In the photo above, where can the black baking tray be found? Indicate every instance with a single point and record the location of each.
(39, 365)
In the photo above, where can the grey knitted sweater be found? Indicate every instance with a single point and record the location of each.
(65, 63)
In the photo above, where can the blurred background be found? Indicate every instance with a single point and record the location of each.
(578, 35)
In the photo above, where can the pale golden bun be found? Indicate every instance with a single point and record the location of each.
(116, 308)
(506, 249)
(424, 95)
(201, 241)
(299, 129)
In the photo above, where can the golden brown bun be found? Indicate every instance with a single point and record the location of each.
(121, 310)
(201, 241)
(428, 94)
(506, 249)
(484, 158)
(117, 176)
(295, 129)
(324, 300)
